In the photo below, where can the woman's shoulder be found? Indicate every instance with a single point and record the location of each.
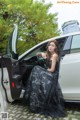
(55, 56)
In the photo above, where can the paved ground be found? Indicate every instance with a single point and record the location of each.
(19, 111)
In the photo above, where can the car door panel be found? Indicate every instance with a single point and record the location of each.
(11, 81)
(5, 85)
(68, 77)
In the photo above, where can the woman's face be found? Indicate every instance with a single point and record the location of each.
(51, 47)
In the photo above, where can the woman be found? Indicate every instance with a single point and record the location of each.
(43, 93)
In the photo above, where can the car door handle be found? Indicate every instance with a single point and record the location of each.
(5, 81)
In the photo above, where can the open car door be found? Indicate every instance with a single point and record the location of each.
(11, 80)
(11, 47)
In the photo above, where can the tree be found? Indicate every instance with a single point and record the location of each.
(35, 22)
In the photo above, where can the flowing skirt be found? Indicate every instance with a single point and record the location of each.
(43, 93)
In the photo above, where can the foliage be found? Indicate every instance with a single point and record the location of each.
(34, 21)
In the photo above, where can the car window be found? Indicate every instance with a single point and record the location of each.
(75, 46)
(41, 48)
(67, 43)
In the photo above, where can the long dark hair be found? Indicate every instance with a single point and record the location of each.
(57, 49)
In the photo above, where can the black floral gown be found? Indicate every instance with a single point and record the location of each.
(43, 93)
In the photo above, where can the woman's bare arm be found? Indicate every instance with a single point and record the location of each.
(54, 61)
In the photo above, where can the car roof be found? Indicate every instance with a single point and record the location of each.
(57, 37)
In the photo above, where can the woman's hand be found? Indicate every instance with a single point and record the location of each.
(49, 70)
(39, 54)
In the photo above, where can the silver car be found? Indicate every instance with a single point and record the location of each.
(14, 70)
